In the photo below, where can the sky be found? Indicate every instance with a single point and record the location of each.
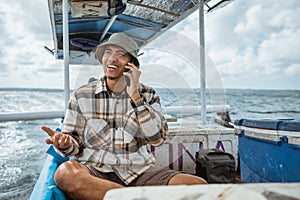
(248, 44)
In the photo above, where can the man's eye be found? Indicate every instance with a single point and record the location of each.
(107, 51)
(121, 54)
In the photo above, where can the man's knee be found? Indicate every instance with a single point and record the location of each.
(68, 175)
(186, 179)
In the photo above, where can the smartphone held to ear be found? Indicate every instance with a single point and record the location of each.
(126, 77)
(127, 80)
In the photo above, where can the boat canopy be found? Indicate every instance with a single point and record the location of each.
(92, 22)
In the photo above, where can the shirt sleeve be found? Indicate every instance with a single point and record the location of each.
(153, 125)
(73, 125)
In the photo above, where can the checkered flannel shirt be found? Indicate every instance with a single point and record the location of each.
(110, 132)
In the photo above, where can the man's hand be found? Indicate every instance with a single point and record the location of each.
(58, 139)
(134, 76)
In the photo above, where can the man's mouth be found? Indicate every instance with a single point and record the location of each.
(112, 67)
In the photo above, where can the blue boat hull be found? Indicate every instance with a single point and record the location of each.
(45, 188)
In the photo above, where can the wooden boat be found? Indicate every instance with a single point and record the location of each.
(79, 26)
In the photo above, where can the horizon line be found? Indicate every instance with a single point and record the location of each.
(229, 88)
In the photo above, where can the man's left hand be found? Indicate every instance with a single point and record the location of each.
(134, 77)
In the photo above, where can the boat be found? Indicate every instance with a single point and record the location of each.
(78, 26)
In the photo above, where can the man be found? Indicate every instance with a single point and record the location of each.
(107, 127)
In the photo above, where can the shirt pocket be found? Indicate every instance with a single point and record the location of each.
(98, 134)
(122, 137)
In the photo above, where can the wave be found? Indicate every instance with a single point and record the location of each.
(275, 112)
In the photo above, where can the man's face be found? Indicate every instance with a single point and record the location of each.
(114, 61)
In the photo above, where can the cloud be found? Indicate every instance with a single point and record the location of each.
(3, 66)
(292, 70)
(245, 40)
(24, 30)
(258, 38)
(3, 43)
(177, 57)
(23, 19)
(280, 50)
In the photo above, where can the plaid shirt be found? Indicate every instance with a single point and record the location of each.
(111, 132)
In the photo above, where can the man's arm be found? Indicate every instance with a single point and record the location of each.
(152, 123)
(73, 125)
(147, 108)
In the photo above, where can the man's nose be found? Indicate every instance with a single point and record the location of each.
(113, 57)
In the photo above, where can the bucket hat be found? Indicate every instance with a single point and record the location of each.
(121, 40)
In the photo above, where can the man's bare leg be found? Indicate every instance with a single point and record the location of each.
(76, 181)
(186, 179)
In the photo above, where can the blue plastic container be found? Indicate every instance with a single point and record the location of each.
(265, 153)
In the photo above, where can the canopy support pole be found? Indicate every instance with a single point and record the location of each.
(202, 62)
(107, 27)
(66, 51)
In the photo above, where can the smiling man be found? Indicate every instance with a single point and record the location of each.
(108, 126)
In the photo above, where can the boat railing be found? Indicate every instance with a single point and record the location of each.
(24, 116)
(170, 110)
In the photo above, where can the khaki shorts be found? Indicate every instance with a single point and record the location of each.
(153, 176)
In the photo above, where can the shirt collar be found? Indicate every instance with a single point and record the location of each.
(101, 86)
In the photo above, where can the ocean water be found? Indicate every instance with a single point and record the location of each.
(23, 147)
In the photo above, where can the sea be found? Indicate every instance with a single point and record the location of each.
(23, 147)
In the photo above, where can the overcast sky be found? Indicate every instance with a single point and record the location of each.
(249, 44)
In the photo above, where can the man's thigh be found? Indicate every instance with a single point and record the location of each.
(154, 176)
(110, 176)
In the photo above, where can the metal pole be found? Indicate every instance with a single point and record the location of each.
(202, 62)
(66, 50)
(24, 116)
(170, 110)
(110, 23)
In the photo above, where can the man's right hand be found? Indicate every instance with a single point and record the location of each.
(58, 139)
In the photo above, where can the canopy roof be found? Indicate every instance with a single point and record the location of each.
(91, 22)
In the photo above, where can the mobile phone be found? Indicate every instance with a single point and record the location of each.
(126, 77)
(127, 80)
